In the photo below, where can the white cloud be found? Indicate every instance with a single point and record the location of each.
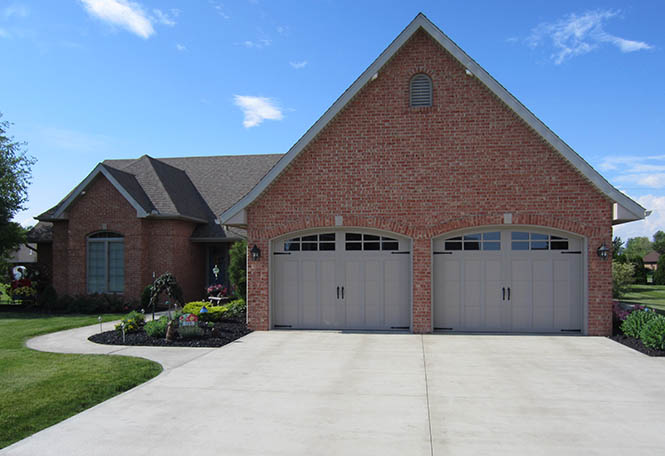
(634, 171)
(298, 65)
(257, 109)
(180, 47)
(651, 180)
(167, 19)
(122, 13)
(648, 226)
(576, 35)
(258, 44)
(15, 10)
(219, 9)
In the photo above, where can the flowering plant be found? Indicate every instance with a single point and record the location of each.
(21, 283)
(622, 313)
(217, 290)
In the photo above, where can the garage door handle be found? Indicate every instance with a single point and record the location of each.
(342, 292)
(508, 293)
(337, 292)
(504, 293)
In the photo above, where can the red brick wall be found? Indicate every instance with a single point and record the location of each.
(150, 245)
(423, 172)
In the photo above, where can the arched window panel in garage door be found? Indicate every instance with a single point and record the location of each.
(369, 242)
(324, 242)
(490, 240)
(523, 240)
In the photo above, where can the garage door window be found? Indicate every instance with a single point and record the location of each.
(369, 242)
(311, 243)
(476, 241)
(521, 240)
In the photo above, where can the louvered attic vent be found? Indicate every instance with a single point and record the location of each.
(421, 90)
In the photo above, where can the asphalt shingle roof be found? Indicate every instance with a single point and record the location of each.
(192, 187)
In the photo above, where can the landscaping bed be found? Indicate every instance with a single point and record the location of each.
(637, 344)
(222, 333)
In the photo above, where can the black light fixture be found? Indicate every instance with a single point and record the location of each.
(603, 251)
(256, 253)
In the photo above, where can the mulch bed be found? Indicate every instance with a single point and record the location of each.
(221, 334)
(637, 344)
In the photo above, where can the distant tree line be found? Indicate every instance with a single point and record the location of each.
(633, 253)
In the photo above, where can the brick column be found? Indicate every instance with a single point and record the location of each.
(258, 286)
(422, 286)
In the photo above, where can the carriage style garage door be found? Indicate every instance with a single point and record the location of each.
(519, 280)
(351, 279)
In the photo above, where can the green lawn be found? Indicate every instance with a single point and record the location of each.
(40, 389)
(649, 295)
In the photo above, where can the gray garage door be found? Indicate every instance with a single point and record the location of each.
(517, 280)
(345, 279)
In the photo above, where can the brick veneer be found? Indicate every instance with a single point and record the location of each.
(422, 172)
(150, 245)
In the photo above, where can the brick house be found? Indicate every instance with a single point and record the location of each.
(130, 219)
(428, 198)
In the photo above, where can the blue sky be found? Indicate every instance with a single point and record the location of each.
(95, 79)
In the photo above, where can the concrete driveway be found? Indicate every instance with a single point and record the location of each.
(326, 393)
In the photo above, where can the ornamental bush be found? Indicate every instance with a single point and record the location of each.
(133, 321)
(636, 321)
(236, 309)
(190, 332)
(213, 313)
(622, 277)
(157, 328)
(653, 333)
(194, 307)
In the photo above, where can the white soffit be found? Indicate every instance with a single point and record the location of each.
(636, 211)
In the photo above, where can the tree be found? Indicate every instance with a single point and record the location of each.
(659, 242)
(659, 274)
(617, 247)
(639, 271)
(15, 176)
(238, 269)
(637, 247)
(622, 277)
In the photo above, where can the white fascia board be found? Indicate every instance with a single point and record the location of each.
(622, 215)
(422, 22)
(140, 212)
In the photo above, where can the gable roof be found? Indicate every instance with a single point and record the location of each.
(186, 188)
(651, 257)
(625, 208)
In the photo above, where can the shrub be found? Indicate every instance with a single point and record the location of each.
(194, 307)
(633, 324)
(156, 328)
(236, 309)
(145, 297)
(622, 277)
(133, 322)
(48, 298)
(214, 313)
(659, 273)
(190, 332)
(238, 269)
(639, 271)
(653, 333)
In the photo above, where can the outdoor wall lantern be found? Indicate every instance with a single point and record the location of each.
(603, 251)
(256, 253)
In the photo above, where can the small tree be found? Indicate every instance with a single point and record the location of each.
(15, 176)
(659, 242)
(637, 247)
(617, 247)
(659, 274)
(165, 283)
(238, 269)
(622, 277)
(639, 271)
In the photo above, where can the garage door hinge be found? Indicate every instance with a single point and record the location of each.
(443, 329)
(576, 252)
(282, 326)
(281, 253)
(443, 253)
(399, 327)
(571, 330)
(400, 253)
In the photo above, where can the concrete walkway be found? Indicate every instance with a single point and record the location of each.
(76, 341)
(327, 393)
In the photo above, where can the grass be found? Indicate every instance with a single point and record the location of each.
(40, 389)
(648, 295)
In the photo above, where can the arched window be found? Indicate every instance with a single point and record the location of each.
(421, 90)
(106, 263)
